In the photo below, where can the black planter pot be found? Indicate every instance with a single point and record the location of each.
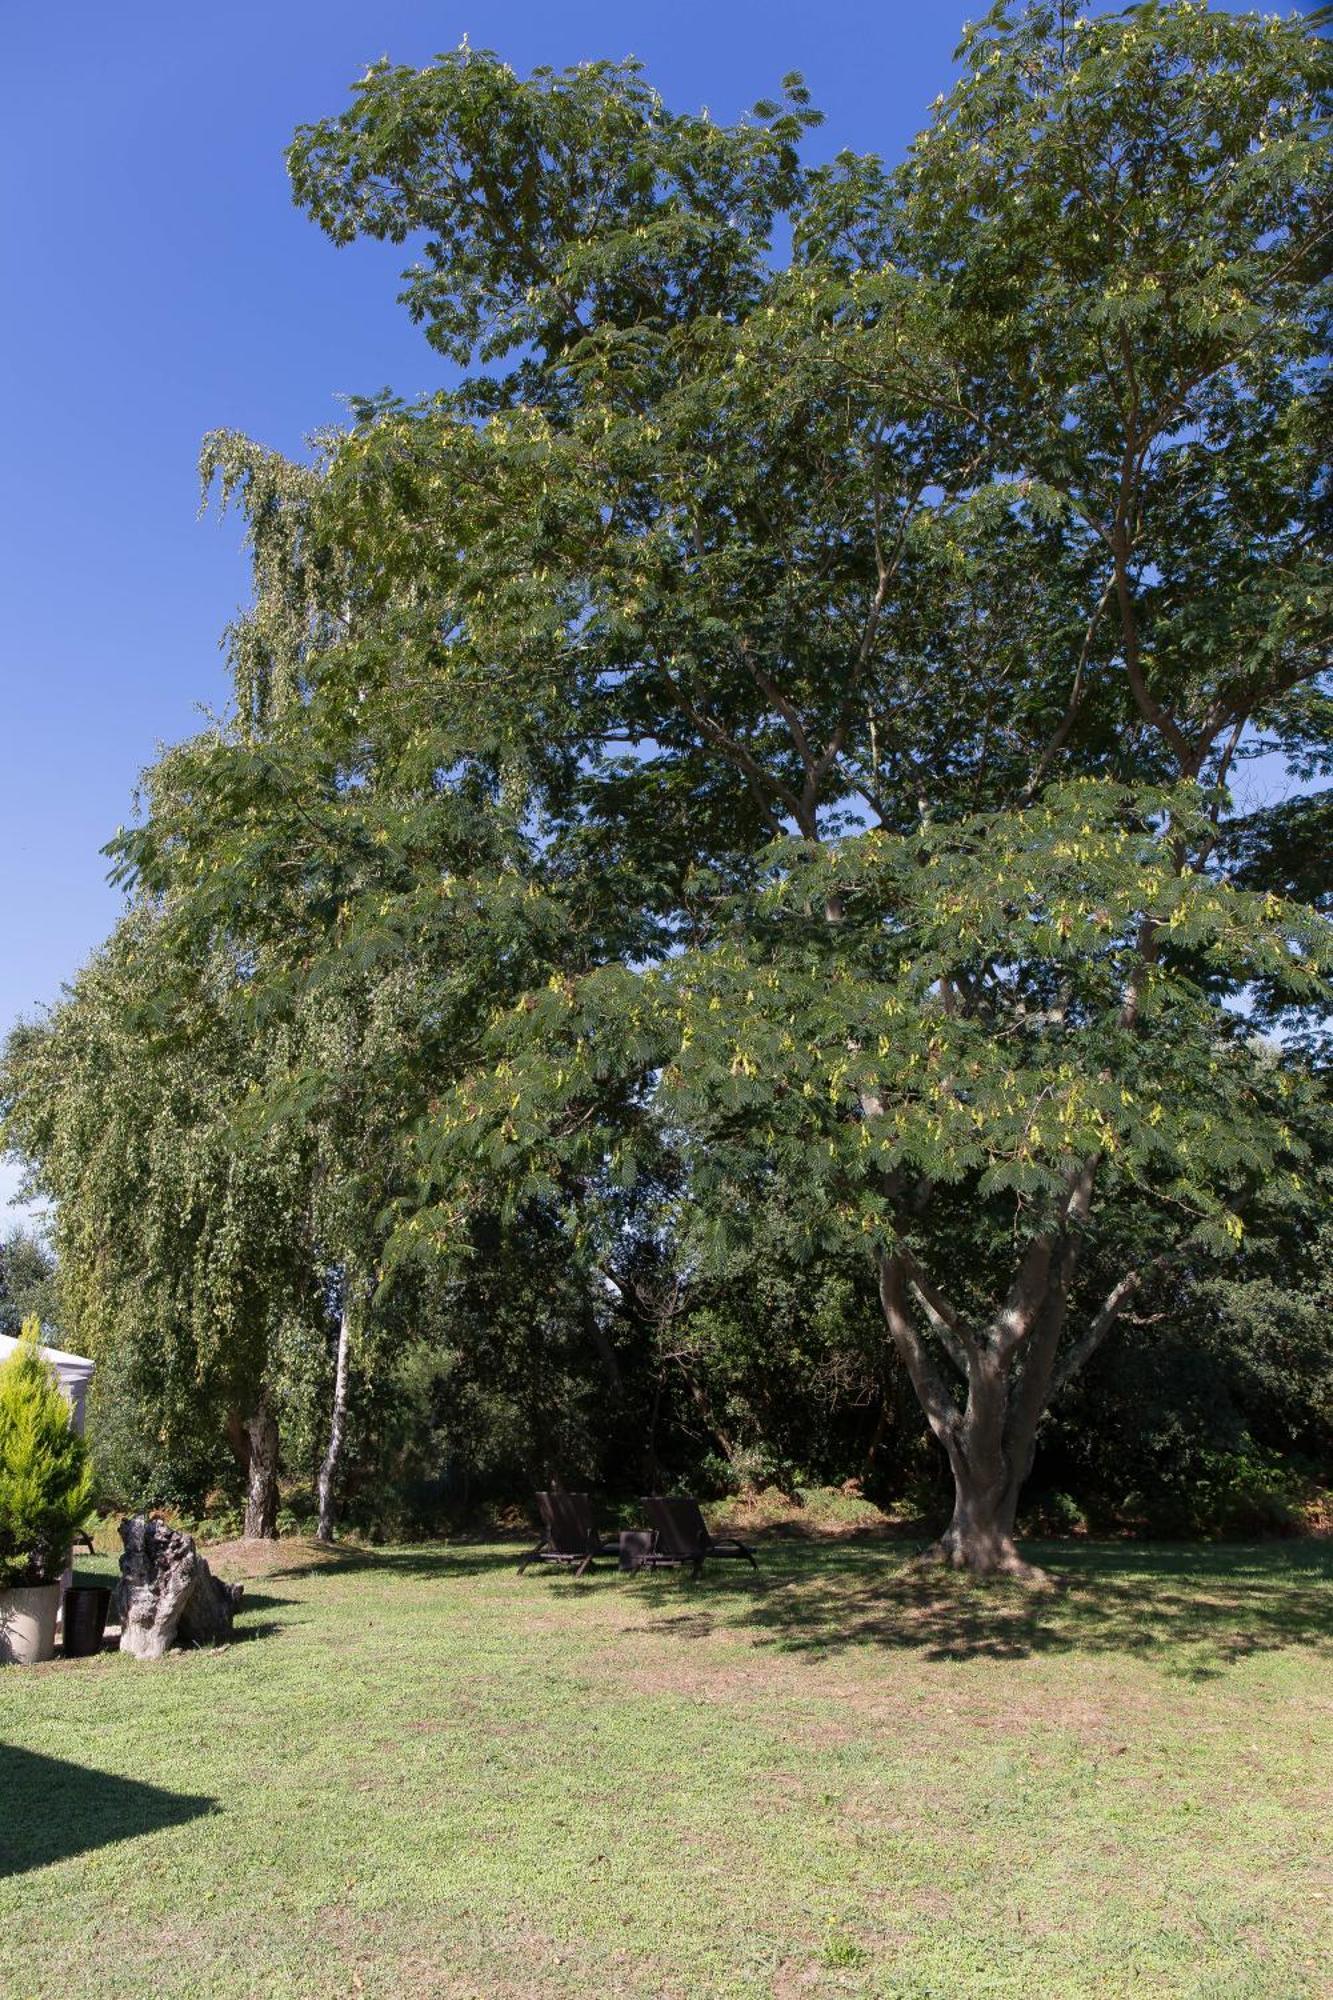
(86, 1608)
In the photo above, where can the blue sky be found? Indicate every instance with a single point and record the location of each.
(158, 282)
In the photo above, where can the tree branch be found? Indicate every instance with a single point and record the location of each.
(942, 1413)
(1067, 721)
(1104, 1319)
(955, 1336)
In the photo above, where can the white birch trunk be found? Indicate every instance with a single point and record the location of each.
(328, 1471)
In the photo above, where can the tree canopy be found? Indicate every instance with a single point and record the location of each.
(767, 743)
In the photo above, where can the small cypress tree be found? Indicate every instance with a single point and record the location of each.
(45, 1478)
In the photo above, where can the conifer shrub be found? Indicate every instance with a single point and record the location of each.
(45, 1478)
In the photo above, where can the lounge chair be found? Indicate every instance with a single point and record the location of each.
(681, 1536)
(571, 1537)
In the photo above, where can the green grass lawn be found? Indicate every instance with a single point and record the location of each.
(416, 1773)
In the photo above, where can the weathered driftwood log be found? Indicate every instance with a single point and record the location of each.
(167, 1592)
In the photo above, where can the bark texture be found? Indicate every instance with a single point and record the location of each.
(167, 1594)
(328, 1471)
(261, 1472)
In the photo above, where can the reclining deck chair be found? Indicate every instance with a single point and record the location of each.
(681, 1535)
(571, 1537)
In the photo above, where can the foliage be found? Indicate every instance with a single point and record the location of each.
(569, 199)
(1217, 1410)
(1014, 476)
(27, 1282)
(831, 1049)
(180, 1245)
(45, 1482)
(736, 793)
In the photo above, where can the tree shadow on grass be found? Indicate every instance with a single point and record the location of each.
(249, 1628)
(260, 1600)
(53, 1810)
(430, 1564)
(1198, 1610)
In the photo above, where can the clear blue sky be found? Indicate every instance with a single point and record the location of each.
(158, 282)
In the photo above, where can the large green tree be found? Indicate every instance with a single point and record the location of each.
(372, 906)
(851, 592)
(1018, 468)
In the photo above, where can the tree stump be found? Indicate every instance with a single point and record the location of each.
(167, 1592)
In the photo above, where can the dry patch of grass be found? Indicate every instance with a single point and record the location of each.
(823, 1513)
(239, 1560)
(417, 1774)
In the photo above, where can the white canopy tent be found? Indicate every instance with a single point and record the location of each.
(73, 1372)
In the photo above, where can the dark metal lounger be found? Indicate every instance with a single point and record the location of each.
(681, 1535)
(571, 1537)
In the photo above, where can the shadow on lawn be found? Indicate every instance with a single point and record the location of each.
(1226, 1603)
(266, 1626)
(428, 1564)
(53, 1810)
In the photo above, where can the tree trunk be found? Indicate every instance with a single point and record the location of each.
(1010, 1370)
(328, 1471)
(988, 1441)
(980, 1536)
(652, 1468)
(261, 1472)
(986, 1480)
(877, 1435)
(606, 1354)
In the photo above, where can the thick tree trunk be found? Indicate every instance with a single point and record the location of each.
(261, 1472)
(980, 1536)
(987, 1477)
(977, 1540)
(652, 1468)
(167, 1592)
(989, 1440)
(328, 1471)
(877, 1435)
(606, 1354)
(1010, 1371)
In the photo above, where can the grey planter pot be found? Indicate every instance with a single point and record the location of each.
(28, 1624)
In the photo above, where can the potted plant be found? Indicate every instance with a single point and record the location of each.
(45, 1489)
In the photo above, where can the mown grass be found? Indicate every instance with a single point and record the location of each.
(417, 1773)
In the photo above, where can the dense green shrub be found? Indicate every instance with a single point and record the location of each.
(45, 1482)
(27, 1281)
